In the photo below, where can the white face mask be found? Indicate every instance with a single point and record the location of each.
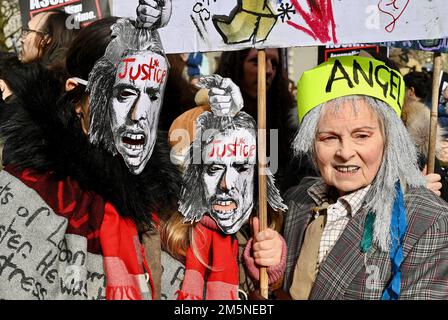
(228, 178)
(135, 107)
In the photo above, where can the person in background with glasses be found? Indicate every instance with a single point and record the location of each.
(46, 38)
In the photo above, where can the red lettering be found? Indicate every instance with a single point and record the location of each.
(245, 151)
(146, 72)
(158, 76)
(163, 75)
(213, 147)
(151, 63)
(152, 67)
(252, 150)
(223, 152)
(232, 149)
(235, 149)
(126, 61)
(137, 75)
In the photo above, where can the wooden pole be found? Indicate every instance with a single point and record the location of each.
(262, 182)
(437, 67)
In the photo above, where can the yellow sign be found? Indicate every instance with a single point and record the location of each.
(250, 20)
(350, 75)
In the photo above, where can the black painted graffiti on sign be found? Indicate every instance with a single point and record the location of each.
(10, 270)
(371, 77)
(38, 259)
(5, 194)
(285, 11)
(201, 13)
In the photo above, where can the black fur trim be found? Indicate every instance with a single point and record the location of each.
(41, 132)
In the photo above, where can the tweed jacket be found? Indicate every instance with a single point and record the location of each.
(347, 273)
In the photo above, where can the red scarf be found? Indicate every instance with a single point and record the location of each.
(107, 233)
(124, 259)
(220, 253)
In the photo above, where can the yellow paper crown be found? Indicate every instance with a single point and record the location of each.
(349, 75)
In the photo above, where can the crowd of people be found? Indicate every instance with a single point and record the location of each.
(123, 179)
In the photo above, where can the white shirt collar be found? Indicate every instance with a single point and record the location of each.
(352, 202)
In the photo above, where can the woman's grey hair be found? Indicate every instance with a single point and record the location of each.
(399, 158)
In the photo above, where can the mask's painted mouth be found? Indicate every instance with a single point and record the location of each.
(224, 206)
(133, 141)
(347, 169)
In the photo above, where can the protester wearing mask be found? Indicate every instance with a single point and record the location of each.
(205, 241)
(80, 191)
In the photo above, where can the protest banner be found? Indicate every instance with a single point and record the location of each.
(82, 11)
(220, 25)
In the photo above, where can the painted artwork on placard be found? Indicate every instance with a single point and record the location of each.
(221, 25)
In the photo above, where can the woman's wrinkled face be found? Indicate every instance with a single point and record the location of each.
(349, 146)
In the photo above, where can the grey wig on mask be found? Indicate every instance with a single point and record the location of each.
(192, 203)
(126, 40)
(399, 159)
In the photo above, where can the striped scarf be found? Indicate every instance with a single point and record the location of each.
(211, 264)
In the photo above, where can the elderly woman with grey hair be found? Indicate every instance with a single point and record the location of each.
(367, 228)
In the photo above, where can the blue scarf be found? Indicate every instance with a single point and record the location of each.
(398, 228)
